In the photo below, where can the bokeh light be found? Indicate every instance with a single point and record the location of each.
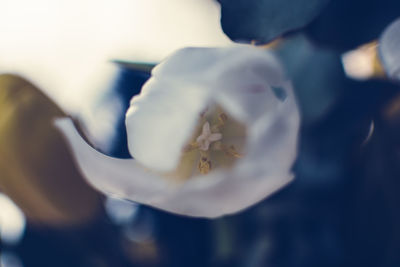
(12, 221)
(65, 46)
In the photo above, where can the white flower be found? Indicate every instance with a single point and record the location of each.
(214, 131)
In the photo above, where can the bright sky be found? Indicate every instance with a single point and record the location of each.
(64, 45)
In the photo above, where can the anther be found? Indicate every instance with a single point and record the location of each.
(222, 118)
(229, 151)
(204, 165)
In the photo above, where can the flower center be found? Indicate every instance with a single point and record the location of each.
(215, 144)
(207, 137)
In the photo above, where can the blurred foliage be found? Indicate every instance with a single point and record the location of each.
(345, 24)
(339, 24)
(317, 75)
(36, 169)
(264, 20)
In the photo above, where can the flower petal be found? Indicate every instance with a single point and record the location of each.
(122, 177)
(389, 48)
(266, 168)
(241, 77)
(161, 120)
(224, 192)
(243, 81)
(273, 139)
(251, 96)
(246, 91)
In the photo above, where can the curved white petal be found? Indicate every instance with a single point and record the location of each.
(223, 192)
(240, 77)
(122, 177)
(251, 96)
(389, 48)
(161, 120)
(273, 138)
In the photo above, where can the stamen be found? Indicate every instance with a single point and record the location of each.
(222, 118)
(207, 137)
(204, 165)
(229, 151)
(210, 132)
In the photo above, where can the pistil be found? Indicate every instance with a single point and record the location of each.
(210, 139)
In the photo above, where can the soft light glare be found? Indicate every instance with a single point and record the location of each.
(12, 221)
(359, 63)
(64, 46)
(120, 211)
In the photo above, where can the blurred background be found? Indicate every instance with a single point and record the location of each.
(88, 58)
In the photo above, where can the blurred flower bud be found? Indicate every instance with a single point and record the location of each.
(36, 169)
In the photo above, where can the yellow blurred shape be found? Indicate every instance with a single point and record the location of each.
(363, 62)
(36, 169)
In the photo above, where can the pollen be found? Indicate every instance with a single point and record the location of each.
(210, 143)
(204, 165)
(217, 142)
